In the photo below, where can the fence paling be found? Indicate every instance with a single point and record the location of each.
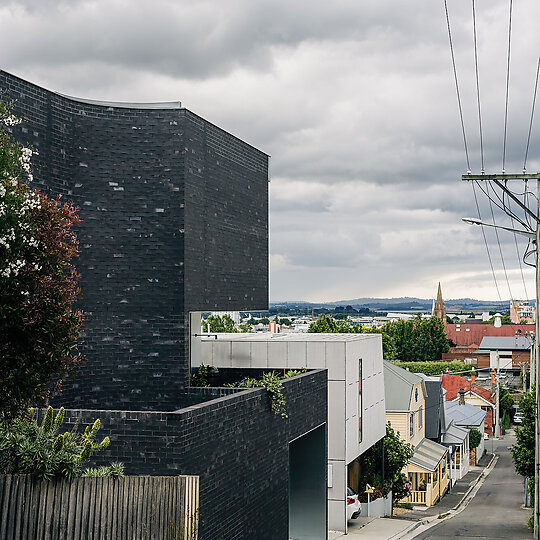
(95, 508)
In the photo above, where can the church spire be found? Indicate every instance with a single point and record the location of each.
(438, 309)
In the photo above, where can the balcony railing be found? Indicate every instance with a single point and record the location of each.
(416, 497)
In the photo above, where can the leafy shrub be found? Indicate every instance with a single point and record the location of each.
(200, 379)
(272, 382)
(433, 368)
(28, 448)
(474, 438)
(114, 470)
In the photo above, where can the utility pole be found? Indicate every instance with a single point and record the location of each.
(500, 181)
(497, 393)
(536, 357)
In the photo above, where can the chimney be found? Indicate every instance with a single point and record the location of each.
(498, 322)
(473, 376)
(461, 396)
(493, 384)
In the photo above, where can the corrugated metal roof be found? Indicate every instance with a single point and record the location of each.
(464, 415)
(503, 343)
(398, 386)
(428, 454)
(455, 435)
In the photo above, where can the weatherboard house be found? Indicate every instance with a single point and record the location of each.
(174, 222)
(405, 395)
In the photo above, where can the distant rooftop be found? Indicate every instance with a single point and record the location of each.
(515, 343)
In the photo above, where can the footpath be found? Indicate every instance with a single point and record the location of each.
(404, 524)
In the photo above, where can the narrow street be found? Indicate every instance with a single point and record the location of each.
(495, 512)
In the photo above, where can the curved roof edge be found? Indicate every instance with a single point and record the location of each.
(125, 104)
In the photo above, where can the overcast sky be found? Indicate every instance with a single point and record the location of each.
(356, 104)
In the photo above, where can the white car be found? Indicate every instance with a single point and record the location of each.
(353, 506)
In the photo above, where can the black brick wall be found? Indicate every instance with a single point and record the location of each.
(175, 219)
(237, 446)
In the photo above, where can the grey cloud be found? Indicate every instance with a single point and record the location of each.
(355, 101)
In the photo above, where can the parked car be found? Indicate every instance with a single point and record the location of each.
(353, 505)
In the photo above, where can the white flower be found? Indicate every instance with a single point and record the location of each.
(11, 121)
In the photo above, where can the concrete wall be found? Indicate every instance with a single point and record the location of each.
(340, 355)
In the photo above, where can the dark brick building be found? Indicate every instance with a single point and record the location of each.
(175, 221)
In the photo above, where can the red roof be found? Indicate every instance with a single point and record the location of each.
(453, 383)
(466, 335)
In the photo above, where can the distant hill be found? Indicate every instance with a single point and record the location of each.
(406, 303)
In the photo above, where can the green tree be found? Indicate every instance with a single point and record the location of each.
(505, 319)
(474, 438)
(388, 344)
(506, 402)
(418, 340)
(39, 327)
(523, 449)
(396, 455)
(326, 324)
(218, 323)
(245, 327)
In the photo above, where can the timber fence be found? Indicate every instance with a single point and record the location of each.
(128, 508)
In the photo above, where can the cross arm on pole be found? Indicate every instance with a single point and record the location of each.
(496, 179)
(525, 176)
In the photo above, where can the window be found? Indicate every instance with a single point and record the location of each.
(411, 425)
(420, 413)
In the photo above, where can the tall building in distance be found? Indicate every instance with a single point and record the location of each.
(438, 308)
(521, 310)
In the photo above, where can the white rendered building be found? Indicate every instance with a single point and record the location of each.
(356, 406)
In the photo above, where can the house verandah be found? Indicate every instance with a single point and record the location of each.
(427, 471)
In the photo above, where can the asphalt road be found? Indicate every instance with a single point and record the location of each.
(495, 512)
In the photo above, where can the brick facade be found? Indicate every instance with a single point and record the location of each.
(235, 443)
(175, 219)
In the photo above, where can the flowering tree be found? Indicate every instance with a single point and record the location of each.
(39, 328)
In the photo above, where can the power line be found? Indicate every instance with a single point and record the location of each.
(457, 87)
(519, 260)
(478, 88)
(499, 244)
(486, 244)
(507, 87)
(532, 116)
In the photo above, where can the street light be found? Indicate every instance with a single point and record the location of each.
(474, 221)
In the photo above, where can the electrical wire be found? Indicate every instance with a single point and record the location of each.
(478, 88)
(502, 206)
(499, 244)
(519, 260)
(457, 88)
(507, 87)
(486, 244)
(532, 116)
